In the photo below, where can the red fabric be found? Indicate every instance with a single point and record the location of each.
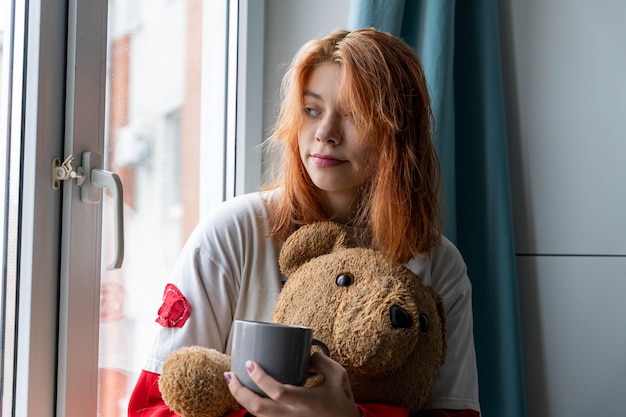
(448, 413)
(145, 400)
(238, 413)
(380, 410)
(368, 410)
(175, 309)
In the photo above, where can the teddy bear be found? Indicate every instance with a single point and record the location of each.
(379, 321)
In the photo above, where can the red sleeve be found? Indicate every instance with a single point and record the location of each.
(380, 410)
(448, 413)
(145, 400)
(238, 413)
(367, 410)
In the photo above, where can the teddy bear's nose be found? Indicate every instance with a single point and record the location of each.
(344, 280)
(400, 319)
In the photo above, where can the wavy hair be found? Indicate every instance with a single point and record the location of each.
(384, 86)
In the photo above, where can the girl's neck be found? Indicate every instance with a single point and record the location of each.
(341, 207)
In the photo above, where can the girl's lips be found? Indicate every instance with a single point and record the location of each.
(325, 161)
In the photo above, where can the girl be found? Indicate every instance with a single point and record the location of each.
(352, 144)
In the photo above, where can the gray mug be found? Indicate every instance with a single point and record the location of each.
(283, 351)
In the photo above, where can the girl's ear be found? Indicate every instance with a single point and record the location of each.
(308, 242)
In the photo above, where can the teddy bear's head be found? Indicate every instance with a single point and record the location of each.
(378, 319)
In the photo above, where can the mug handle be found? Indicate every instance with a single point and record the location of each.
(325, 351)
(322, 345)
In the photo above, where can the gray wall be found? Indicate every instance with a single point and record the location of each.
(565, 85)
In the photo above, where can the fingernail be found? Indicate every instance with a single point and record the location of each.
(227, 377)
(250, 366)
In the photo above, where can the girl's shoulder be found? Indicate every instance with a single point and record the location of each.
(444, 268)
(245, 210)
(447, 253)
(240, 206)
(238, 218)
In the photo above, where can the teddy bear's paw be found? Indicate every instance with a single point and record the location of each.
(192, 383)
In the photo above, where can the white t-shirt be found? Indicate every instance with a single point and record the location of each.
(228, 270)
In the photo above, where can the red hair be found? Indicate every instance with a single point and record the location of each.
(384, 86)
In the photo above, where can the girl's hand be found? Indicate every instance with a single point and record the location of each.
(332, 397)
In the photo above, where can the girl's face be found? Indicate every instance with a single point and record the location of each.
(335, 154)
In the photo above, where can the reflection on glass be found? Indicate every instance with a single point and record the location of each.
(11, 60)
(3, 211)
(153, 143)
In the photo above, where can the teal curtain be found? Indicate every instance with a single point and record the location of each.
(459, 47)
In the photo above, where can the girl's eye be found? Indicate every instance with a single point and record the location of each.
(311, 111)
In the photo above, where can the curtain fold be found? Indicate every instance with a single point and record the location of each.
(458, 43)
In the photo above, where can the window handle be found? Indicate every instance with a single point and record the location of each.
(95, 178)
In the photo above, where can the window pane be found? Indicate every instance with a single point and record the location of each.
(158, 131)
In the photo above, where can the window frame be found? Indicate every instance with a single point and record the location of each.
(39, 134)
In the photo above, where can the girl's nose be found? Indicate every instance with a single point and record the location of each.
(329, 130)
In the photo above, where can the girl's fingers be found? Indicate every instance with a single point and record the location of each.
(250, 400)
(334, 374)
(268, 385)
(325, 366)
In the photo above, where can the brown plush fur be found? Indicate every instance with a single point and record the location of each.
(386, 364)
(192, 383)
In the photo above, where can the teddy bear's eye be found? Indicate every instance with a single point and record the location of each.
(344, 280)
(400, 319)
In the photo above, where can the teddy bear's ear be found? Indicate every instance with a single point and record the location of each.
(308, 242)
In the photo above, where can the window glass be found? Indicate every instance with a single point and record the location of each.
(10, 160)
(161, 78)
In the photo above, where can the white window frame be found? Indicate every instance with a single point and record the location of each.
(39, 245)
(248, 134)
